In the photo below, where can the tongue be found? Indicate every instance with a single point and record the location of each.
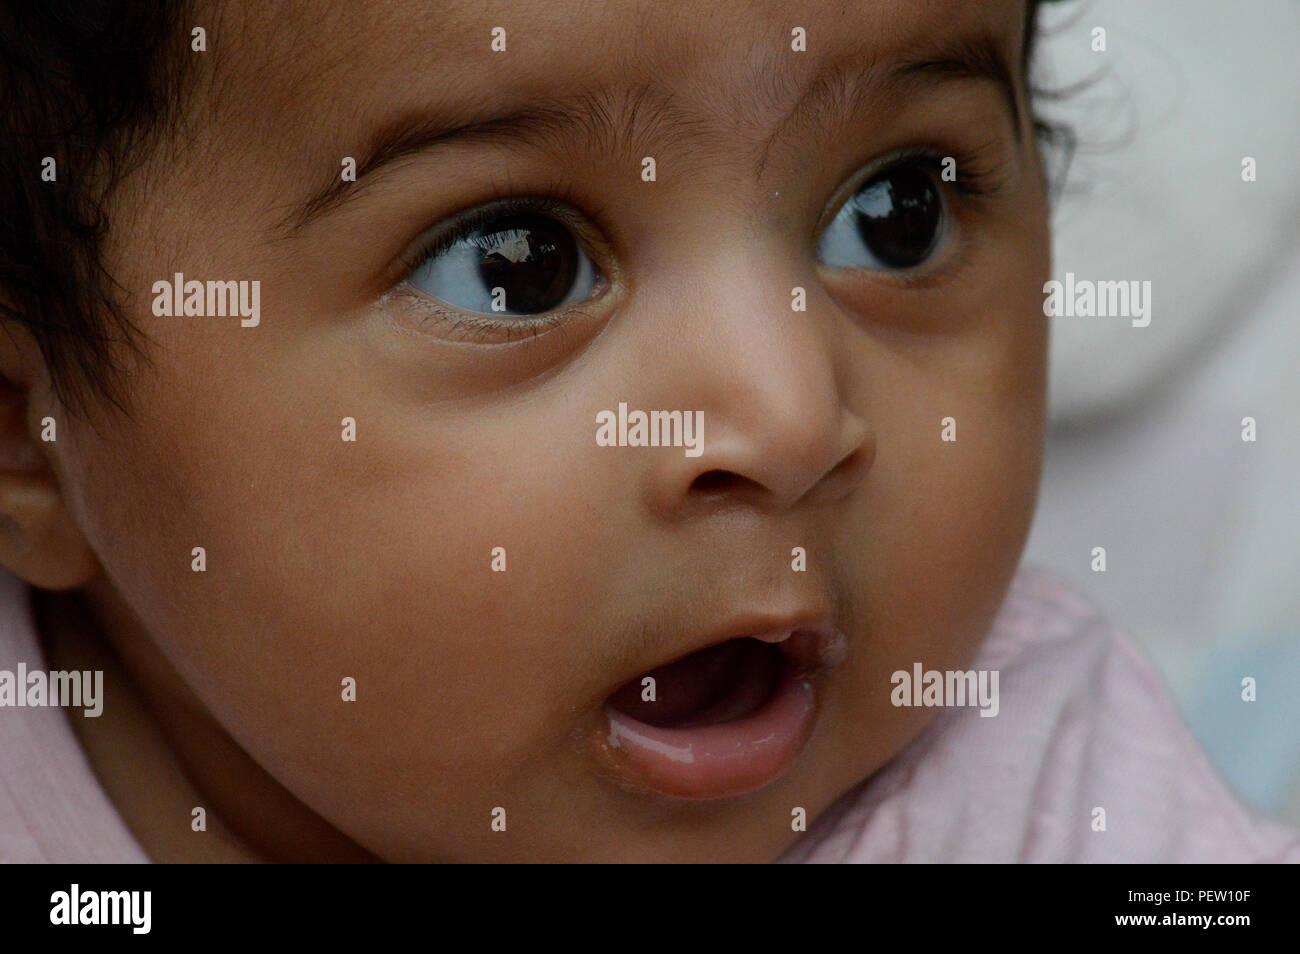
(722, 682)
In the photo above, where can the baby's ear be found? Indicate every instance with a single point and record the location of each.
(39, 541)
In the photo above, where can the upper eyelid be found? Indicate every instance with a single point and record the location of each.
(460, 223)
(451, 227)
(966, 161)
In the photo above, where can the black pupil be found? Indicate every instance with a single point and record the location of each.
(897, 214)
(533, 257)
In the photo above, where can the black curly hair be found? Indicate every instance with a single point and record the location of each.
(91, 84)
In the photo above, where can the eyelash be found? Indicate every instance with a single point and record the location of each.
(980, 175)
(981, 172)
(501, 201)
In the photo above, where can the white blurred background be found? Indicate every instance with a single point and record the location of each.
(1145, 456)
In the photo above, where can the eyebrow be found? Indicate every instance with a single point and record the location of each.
(599, 121)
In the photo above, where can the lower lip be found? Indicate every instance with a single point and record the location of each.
(717, 761)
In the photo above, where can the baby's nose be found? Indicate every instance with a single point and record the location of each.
(754, 347)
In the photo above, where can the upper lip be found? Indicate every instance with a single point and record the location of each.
(813, 641)
(808, 642)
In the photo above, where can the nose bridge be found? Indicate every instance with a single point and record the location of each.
(751, 357)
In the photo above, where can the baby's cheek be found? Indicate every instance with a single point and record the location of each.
(984, 455)
(404, 613)
(938, 528)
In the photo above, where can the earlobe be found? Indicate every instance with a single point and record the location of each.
(39, 542)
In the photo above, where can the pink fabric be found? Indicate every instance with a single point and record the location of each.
(51, 806)
(1083, 722)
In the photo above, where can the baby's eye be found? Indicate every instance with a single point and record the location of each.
(893, 222)
(507, 259)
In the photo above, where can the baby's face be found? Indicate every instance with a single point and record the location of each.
(795, 266)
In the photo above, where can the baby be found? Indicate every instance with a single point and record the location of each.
(495, 431)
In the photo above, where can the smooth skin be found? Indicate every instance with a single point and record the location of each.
(371, 559)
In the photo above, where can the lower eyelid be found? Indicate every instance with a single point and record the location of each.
(955, 252)
(485, 329)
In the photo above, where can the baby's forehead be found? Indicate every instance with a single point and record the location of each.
(301, 61)
(281, 96)
(284, 91)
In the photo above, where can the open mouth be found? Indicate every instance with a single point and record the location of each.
(721, 683)
(723, 720)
